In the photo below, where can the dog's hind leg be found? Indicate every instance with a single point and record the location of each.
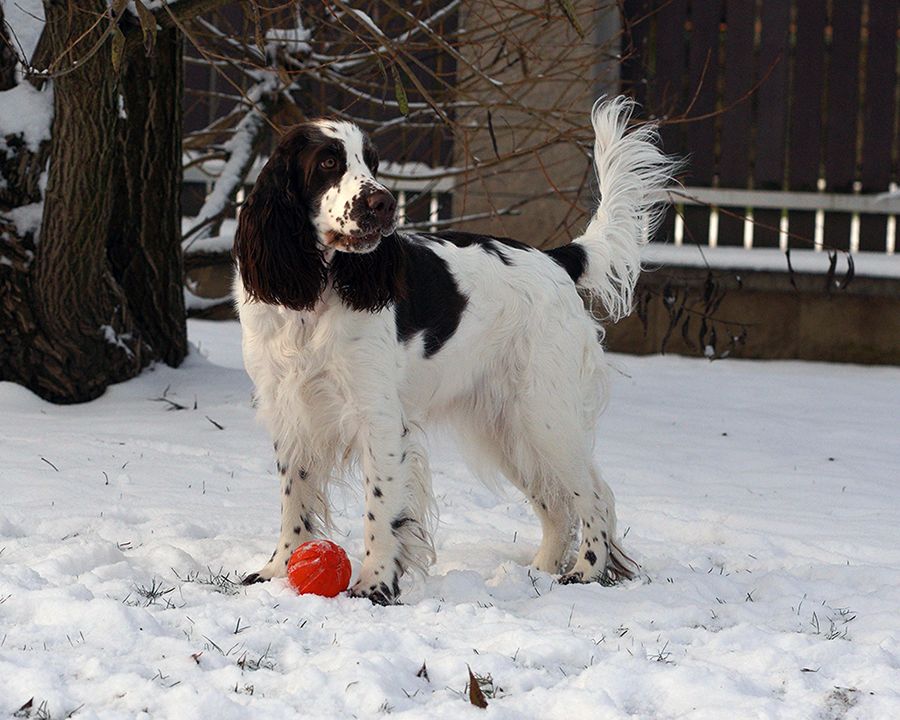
(600, 558)
(556, 515)
(488, 450)
(548, 441)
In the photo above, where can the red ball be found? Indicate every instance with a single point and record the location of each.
(319, 567)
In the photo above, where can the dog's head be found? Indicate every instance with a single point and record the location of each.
(318, 192)
(351, 210)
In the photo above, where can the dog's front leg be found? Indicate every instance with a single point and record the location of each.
(303, 511)
(398, 498)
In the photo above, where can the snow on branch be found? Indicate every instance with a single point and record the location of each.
(294, 39)
(241, 152)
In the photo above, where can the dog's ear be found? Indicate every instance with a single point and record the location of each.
(370, 155)
(275, 244)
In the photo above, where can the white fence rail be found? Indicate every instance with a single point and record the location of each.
(745, 201)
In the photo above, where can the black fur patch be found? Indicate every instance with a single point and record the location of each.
(494, 249)
(371, 281)
(399, 522)
(433, 304)
(572, 258)
(490, 244)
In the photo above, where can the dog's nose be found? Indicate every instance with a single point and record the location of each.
(382, 205)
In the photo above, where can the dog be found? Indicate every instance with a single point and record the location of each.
(358, 335)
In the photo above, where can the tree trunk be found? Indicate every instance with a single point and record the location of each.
(86, 338)
(147, 195)
(102, 296)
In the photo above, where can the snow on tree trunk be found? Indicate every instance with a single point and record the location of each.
(24, 148)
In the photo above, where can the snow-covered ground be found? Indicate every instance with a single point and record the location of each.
(761, 498)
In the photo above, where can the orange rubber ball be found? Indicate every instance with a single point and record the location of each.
(319, 567)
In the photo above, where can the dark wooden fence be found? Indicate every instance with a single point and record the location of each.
(796, 96)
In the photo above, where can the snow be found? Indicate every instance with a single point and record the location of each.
(28, 112)
(368, 22)
(294, 39)
(113, 338)
(239, 149)
(25, 18)
(866, 264)
(24, 110)
(221, 243)
(27, 218)
(193, 301)
(761, 498)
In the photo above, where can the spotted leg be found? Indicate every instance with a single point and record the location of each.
(600, 559)
(398, 498)
(303, 511)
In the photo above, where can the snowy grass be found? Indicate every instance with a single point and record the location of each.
(762, 500)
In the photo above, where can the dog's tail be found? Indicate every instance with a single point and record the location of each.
(632, 173)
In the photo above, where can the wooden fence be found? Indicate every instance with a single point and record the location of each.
(795, 96)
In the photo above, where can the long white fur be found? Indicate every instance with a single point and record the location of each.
(522, 381)
(632, 173)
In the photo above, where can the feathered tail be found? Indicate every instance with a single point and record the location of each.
(632, 172)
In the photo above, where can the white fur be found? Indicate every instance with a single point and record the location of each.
(522, 381)
(632, 174)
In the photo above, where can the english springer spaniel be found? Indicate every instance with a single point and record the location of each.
(358, 335)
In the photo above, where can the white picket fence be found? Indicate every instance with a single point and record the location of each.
(745, 201)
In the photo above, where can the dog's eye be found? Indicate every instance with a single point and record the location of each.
(328, 163)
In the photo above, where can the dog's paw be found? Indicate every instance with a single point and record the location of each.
(576, 577)
(270, 570)
(572, 578)
(377, 594)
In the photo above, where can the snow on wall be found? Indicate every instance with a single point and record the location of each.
(870, 264)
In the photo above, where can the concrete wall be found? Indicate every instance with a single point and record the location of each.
(860, 324)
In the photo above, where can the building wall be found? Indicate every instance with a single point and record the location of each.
(561, 77)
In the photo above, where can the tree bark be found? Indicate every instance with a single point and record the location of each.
(87, 337)
(147, 195)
